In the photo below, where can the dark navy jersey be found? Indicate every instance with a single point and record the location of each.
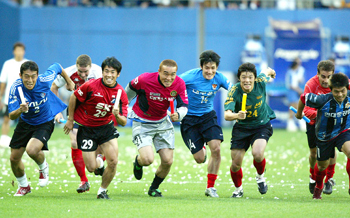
(332, 117)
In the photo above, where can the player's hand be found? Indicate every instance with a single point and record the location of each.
(68, 127)
(299, 116)
(115, 111)
(24, 108)
(174, 117)
(70, 86)
(242, 115)
(58, 118)
(271, 73)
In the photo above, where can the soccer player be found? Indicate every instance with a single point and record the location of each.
(9, 74)
(91, 106)
(253, 127)
(319, 84)
(79, 73)
(36, 119)
(332, 125)
(151, 125)
(200, 124)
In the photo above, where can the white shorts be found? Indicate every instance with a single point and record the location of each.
(162, 135)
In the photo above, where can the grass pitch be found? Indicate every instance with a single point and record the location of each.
(183, 189)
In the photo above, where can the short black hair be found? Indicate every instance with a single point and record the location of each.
(326, 65)
(112, 62)
(339, 80)
(29, 65)
(246, 67)
(18, 44)
(209, 56)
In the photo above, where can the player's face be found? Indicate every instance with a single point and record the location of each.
(29, 78)
(339, 93)
(83, 72)
(209, 70)
(18, 53)
(323, 77)
(247, 81)
(167, 75)
(110, 76)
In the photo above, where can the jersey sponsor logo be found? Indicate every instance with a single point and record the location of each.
(259, 97)
(214, 86)
(338, 114)
(154, 94)
(173, 93)
(43, 94)
(98, 95)
(36, 104)
(202, 93)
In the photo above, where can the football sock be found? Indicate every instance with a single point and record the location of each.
(237, 177)
(156, 182)
(23, 182)
(312, 173)
(329, 172)
(211, 180)
(100, 190)
(43, 165)
(78, 161)
(348, 169)
(260, 167)
(319, 177)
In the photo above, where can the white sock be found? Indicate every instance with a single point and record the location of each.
(43, 165)
(23, 182)
(101, 190)
(99, 159)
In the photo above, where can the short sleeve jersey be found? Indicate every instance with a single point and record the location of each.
(97, 102)
(153, 97)
(43, 103)
(258, 111)
(201, 92)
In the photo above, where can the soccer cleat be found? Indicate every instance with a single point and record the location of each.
(238, 193)
(328, 186)
(22, 191)
(312, 185)
(262, 186)
(317, 193)
(83, 187)
(103, 195)
(211, 192)
(99, 171)
(44, 176)
(154, 193)
(137, 170)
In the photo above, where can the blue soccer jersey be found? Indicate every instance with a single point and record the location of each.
(201, 92)
(332, 117)
(43, 103)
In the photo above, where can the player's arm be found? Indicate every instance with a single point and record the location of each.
(121, 112)
(70, 84)
(71, 109)
(311, 100)
(130, 92)
(17, 113)
(181, 104)
(269, 72)
(15, 108)
(309, 112)
(230, 105)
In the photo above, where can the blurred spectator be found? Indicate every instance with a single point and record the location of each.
(285, 4)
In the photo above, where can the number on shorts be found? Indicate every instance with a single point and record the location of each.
(100, 113)
(87, 144)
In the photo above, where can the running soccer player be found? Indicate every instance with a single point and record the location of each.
(200, 124)
(36, 119)
(319, 84)
(91, 107)
(332, 125)
(79, 73)
(253, 127)
(151, 125)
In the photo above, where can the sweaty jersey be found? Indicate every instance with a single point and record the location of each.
(332, 117)
(72, 71)
(258, 112)
(97, 102)
(201, 92)
(153, 97)
(43, 103)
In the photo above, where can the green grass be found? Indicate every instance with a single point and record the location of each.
(183, 189)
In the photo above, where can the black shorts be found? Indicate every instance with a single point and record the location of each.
(311, 135)
(197, 130)
(326, 149)
(24, 132)
(75, 125)
(89, 138)
(243, 137)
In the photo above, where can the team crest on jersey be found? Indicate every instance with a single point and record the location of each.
(43, 94)
(173, 93)
(347, 105)
(76, 79)
(214, 86)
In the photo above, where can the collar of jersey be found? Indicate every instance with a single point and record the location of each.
(116, 83)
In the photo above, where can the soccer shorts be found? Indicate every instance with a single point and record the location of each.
(326, 149)
(24, 132)
(162, 134)
(243, 137)
(89, 138)
(196, 131)
(311, 135)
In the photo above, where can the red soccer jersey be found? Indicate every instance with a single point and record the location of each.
(152, 100)
(97, 101)
(77, 80)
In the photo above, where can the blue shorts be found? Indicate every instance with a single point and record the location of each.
(197, 130)
(292, 96)
(326, 149)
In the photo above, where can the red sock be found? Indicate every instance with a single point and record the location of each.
(78, 161)
(260, 167)
(319, 177)
(329, 173)
(312, 173)
(237, 177)
(348, 170)
(211, 180)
